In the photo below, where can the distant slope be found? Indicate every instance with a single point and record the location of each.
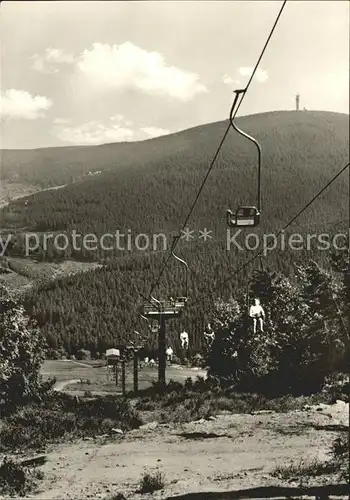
(49, 167)
(149, 186)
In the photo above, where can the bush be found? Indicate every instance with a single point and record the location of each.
(12, 478)
(302, 342)
(61, 416)
(151, 483)
(200, 399)
(83, 354)
(340, 455)
(176, 360)
(198, 361)
(22, 350)
(15, 480)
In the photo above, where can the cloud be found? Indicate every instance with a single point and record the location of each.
(61, 121)
(228, 80)
(121, 120)
(155, 131)
(94, 133)
(49, 61)
(260, 75)
(40, 66)
(59, 56)
(127, 66)
(117, 118)
(21, 104)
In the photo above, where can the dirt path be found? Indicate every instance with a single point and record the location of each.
(80, 363)
(240, 453)
(59, 386)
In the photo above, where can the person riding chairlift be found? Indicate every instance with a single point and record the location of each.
(209, 334)
(184, 340)
(257, 313)
(169, 354)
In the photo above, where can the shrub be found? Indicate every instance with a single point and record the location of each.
(176, 360)
(62, 415)
(83, 354)
(302, 342)
(304, 470)
(151, 482)
(201, 399)
(340, 455)
(15, 480)
(22, 350)
(12, 477)
(198, 361)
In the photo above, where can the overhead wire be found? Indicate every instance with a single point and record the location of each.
(175, 241)
(260, 252)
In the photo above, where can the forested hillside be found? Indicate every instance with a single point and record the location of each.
(148, 187)
(152, 187)
(100, 308)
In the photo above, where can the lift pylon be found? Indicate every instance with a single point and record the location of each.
(161, 311)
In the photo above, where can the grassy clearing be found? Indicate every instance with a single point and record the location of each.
(14, 281)
(95, 378)
(63, 370)
(13, 190)
(103, 387)
(33, 269)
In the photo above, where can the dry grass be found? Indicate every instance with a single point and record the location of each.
(152, 482)
(198, 400)
(63, 417)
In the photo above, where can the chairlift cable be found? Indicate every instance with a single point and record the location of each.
(218, 150)
(260, 252)
(349, 222)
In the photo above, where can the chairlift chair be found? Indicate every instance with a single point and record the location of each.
(181, 300)
(153, 327)
(249, 215)
(245, 216)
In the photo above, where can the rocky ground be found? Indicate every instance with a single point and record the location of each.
(229, 452)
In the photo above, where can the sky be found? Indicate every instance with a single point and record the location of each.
(94, 72)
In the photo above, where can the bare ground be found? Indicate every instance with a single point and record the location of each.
(240, 452)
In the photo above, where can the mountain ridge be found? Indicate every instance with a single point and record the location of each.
(171, 133)
(49, 167)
